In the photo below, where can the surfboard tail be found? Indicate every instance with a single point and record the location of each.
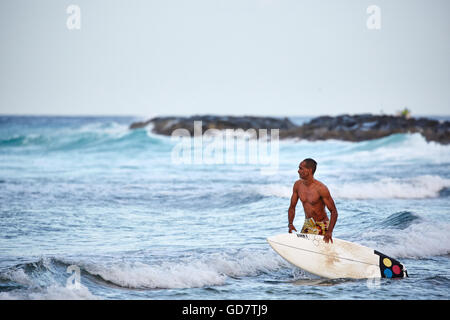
(390, 267)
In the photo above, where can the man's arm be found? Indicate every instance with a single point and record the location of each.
(291, 211)
(329, 202)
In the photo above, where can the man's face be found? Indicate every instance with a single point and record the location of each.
(303, 171)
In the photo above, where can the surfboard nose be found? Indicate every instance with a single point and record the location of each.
(281, 237)
(274, 239)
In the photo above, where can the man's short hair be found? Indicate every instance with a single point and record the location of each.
(311, 164)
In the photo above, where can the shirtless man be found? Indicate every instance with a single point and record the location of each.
(314, 196)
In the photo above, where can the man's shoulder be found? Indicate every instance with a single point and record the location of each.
(320, 185)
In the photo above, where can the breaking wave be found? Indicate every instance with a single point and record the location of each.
(46, 278)
(426, 186)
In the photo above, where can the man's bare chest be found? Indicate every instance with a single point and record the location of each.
(309, 196)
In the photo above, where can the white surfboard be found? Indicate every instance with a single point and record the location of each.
(340, 259)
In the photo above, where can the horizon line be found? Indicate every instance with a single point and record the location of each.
(203, 114)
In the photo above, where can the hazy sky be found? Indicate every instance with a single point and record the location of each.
(243, 57)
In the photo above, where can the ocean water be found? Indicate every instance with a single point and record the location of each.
(92, 210)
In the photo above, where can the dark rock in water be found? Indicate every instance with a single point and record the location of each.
(366, 127)
(343, 127)
(166, 125)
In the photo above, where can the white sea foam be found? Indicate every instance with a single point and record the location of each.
(275, 190)
(419, 240)
(395, 148)
(19, 276)
(113, 129)
(42, 286)
(195, 271)
(426, 186)
(57, 292)
(51, 292)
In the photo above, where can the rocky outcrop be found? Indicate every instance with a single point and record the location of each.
(344, 127)
(166, 125)
(366, 127)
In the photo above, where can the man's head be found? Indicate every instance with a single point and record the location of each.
(307, 168)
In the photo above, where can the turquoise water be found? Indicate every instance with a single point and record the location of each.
(88, 193)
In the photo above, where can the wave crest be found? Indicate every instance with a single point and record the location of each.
(191, 272)
(426, 186)
(45, 278)
(418, 240)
